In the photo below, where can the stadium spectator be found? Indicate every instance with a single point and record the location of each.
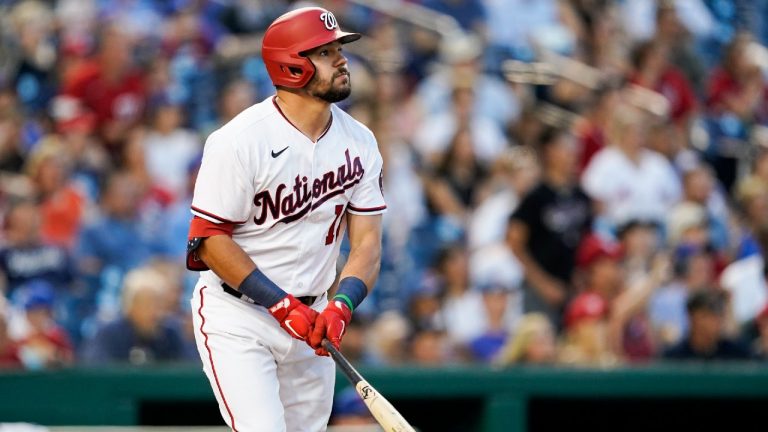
(44, 344)
(687, 225)
(112, 87)
(424, 303)
(176, 292)
(699, 188)
(387, 339)
(591, 131)
(496, 302)
(606, 322)
(736, 97)
(62, 205)
(752, 199)
(236, 96)
(496, 279)
(694, 272)
(116, 238)
(744, 276)
(627, 180)
(586, 318)
(534, 342)
(451, 191)
(25, 257)
(705, 340)
(34, 76)
(11, 139)
(672, 32)
(640, 241)
(461, 307)
(429, 347)
(439, 131)
(461, 62)
(74, 131)
(168, 147)
(631, 332)
(510, 178)
(654, 72)
(144, 334)
(548, 225)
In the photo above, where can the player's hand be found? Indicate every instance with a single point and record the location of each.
(330, 324)
(294, 317)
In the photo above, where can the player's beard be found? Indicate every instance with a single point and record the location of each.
(326, 91)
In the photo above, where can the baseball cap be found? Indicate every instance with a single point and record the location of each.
(70, 115)
(38, 294)
(593, 247)
(585, 306)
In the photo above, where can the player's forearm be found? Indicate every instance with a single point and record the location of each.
(228, 260)
(364, 259)
(364, 262)
(362, 268)
(222, 255)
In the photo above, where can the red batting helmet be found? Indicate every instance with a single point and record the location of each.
(291, 35)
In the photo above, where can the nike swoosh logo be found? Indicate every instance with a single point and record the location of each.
(288, 324)
(274, 155)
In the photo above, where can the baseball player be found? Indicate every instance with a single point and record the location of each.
(278, 187)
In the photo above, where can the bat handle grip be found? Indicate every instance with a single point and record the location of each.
(329, 347)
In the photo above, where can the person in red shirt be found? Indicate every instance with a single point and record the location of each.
(111, 86)
(61, 204)
(736, 97)
(606, 322)
(591, 130)
(737, 86)
(652, 70)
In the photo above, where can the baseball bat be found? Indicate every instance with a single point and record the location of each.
(382, 410)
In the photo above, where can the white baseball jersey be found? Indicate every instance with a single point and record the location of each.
(287, 195)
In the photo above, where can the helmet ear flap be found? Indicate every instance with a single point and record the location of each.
(291, 70)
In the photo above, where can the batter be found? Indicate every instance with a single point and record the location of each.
(278, 187)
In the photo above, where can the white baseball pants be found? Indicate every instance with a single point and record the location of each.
(264, 380)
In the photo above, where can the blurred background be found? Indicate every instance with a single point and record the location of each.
(575, 187)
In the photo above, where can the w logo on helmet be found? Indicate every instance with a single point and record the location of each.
(329, 20)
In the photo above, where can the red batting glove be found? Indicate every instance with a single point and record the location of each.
(294, 317)
(330, 324)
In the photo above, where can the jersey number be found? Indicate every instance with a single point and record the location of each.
(333, 233)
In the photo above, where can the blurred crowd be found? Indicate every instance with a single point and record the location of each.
(579, 182)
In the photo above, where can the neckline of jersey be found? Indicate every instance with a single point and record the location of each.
(325, 131)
